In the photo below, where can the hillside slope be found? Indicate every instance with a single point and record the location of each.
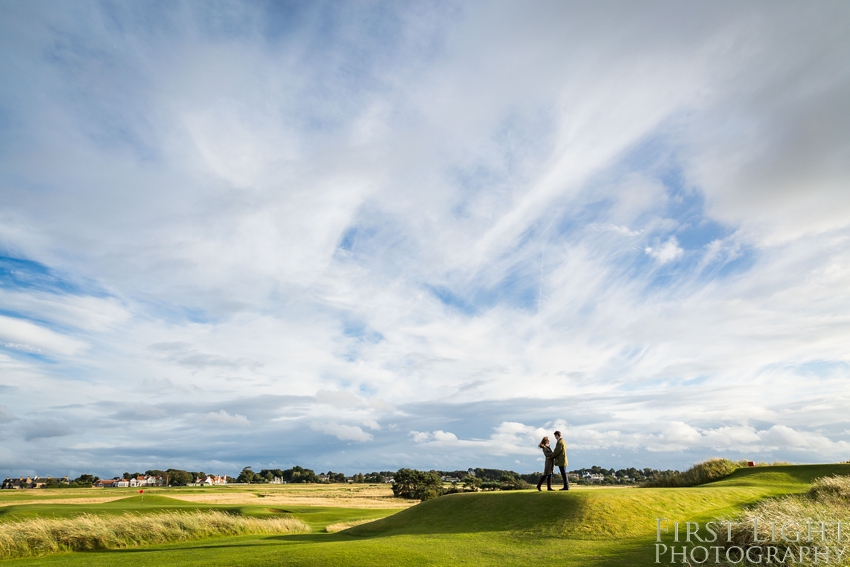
(595, 513)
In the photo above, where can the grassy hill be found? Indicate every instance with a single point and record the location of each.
(595, 513)
(601, 527)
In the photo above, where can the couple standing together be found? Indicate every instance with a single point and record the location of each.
(558, 457)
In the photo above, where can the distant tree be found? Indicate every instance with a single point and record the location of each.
(417, 485)
(512, 482)
(179, 477)
(336, 477)
(299, 474)
(472, 483)
(270, 474)
(86, 479)
(246, 476)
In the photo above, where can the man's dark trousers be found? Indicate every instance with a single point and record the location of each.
(564, 476)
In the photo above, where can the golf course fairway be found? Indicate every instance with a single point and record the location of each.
(585, 526)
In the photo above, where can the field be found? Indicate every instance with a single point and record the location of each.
(363, 525)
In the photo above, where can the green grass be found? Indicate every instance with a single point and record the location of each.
(596, 528)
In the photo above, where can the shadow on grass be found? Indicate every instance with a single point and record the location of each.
(621, 554)
(172, 549)
(256, 541)
(520, 511)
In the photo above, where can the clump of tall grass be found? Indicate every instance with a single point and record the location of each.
(334, 528)
(814, 516)
(700, 473)
(87, 532)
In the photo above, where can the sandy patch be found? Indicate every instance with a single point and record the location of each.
(249, 499)
(338, 496)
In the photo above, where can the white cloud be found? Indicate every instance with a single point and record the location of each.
(19, 334)
(421, 436)
(508, 438)
(342, 432)
(82, 312)
(731, 440)
(666, 252)
(623, 230)
(680, 434)
(227, 419)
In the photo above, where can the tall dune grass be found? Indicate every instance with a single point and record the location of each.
(700, 473)
(827, 501)
(42, 536)
(338, 527)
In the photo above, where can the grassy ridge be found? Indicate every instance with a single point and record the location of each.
(580, 514)
(701, 473)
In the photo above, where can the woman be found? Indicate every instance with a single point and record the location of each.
(548, 467)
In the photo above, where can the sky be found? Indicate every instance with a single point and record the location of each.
(360, 236)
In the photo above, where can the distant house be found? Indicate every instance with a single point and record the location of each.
(17, 483)
(323, 477)
(122, 483)
(154, 480)
(137, 482)
(451, 479)
(32, 482)
(105, 483)
(592, 477)
(211, 480)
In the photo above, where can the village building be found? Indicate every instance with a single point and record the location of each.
(211, 480)
(137, 481)
(22, 482)
(592, 477)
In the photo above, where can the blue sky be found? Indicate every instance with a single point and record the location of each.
(362, 236)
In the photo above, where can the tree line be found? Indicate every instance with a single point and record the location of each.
(409, 483)
(299, 474)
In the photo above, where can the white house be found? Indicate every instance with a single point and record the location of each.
(210, 480)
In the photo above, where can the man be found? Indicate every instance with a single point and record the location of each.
(559, 458)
